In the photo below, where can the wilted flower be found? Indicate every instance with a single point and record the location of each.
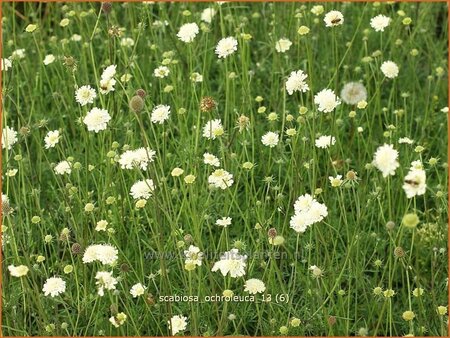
(353, 92)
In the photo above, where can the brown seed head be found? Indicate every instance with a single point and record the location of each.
(207, 104)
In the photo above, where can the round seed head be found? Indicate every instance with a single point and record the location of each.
(136, 103)
(207, 104)
(141, 92)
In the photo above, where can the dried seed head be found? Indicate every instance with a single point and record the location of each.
(136, 104)
(76, 248)
(141, 92)
(399, 252)
(207, 104)
(188, 238)
(124, 267)
(6, 208)
(243, 122)
(24, 131)
(106, 7)
(331, 320)
(113, 308)
(272, 233)
(390, 226)
(351, 175)
(69, 61)
(150, 300)
(114, 31)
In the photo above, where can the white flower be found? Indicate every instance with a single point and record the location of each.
(118, 320)
(51, 139)
(85, 94)
(254, 286)
(17, 271)
(101, 225)
(193, 255)
(104, 253)
(226, 46)
(18, 54)
(161, 72)
(211, 160)
(138, 158)
(160, 114)
(415, 183)
(188, 32)
(97, 119)
(224, 222)
(109, 72)
(137, 290)
(270, 139)
(105, 281)
(325, 141)
(389, 69)
(5, 64)
(317, 9)
(221, 179)
(62, 168)
(75, 37)
(353, 92)
(177, 324)
(385, 159)
(208, 14)
(9, 137)
(196, 77)
(335, 181)
(232, 263)
(333, 18)
(283, 45)
(213, 129)
(380, 22)
(50, 58)
(107, 85)
(307, 212)
(326, 100)
(406, 140)
(142, 189)
(127, 42)
(296, 82)
(54, 286)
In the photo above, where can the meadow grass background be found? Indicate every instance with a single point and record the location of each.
(352, 245)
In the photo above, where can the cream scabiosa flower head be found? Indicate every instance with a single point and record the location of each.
(54, 286)
(9, 138)
(385, 160)
(380, 22)
(296, 82)
(18, 271)
(85, 94)
(104, 253)
(188, 32)
(226, 47)
(97, 119)
(213, 129)
(283, 45)
(208, 14)
(221, 178)
(333, 18)
(389, 69)
(326, 100)
(137, 290)
(254, 286)
(325, 141)
(232, 263)
(62, 168)
(415, 181)
(142, 189)
(270, 139)
(51, 139)
(177, 324)
(160, 114)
